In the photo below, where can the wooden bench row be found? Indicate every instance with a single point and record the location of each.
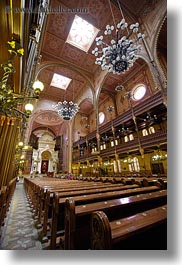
(146, 230)
(36, 190)
(52, 199)
(93, 194)
(6, 194)
(58, 211)
(77, 218)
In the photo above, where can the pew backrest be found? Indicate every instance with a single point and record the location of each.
(105, 234)
(117, 207)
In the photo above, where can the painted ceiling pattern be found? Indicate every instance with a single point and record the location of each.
(67, 58)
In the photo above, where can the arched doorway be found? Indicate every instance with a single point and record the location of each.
(46, 155)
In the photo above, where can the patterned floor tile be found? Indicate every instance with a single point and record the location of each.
(19, 231)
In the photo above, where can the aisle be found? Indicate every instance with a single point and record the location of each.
(19, 231)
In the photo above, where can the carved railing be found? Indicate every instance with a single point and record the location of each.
(146, 105)
(146, 142)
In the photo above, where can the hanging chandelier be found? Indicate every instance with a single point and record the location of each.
(66, 109)
(9, 101)
(118, 56)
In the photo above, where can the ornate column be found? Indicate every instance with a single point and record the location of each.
(8, 148)
(11, 165)
(4, 132)
(2, 119)
(69, 146)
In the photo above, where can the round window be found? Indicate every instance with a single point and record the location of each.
(101, 117)
(138, 92)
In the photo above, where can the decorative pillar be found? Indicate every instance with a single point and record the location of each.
(4, 132)
(2, 119)
(69, 146)
(11, 165)
(136, 125)
(117, 169)
(8, 144)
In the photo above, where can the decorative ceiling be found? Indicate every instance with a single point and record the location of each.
(74, 63)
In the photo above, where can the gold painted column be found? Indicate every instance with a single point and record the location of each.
(5, 122)
(4, 147)
(2, 119)
(8, 159)
(69, 147)
(116, 163)
(11, 165)
(8, 144)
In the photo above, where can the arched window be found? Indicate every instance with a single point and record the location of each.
(126, 138)
(133, 164)
(144, 132)
(151, 130)
(101, 117)
(136, 164)
(112, 143)
(131, 137)
(138, 92)
(130, 164)
(119, 166)
(115, 167)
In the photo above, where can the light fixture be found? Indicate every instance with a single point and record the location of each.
(119, 88)
(87, 126)
(9, 102)
(122, 51)
(110, 109)
(38, 86)
(20, 155)
(159, 156)
(66, 109)
(29, 108)
(20, 145)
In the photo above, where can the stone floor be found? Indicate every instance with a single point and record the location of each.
(19, 231)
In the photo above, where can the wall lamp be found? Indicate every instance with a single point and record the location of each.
(9, 101)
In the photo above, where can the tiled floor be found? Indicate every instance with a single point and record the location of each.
(19, 231)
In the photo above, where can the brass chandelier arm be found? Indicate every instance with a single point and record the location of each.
(18, 98)
(8, 99)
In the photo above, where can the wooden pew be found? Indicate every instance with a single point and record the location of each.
(77, 218)
(144, 230)
(150, 182)
(163, 182)
(127, 180)
(57, 223)
(49, 201)
(36, 189)
(6, 194)
(3, 201)
(34, 186)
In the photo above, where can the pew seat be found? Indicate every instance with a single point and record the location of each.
(58, 205)
(144, 230)
(77, 218)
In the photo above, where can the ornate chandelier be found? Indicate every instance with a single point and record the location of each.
(122, 52)
(9, 102)
(66, 109)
